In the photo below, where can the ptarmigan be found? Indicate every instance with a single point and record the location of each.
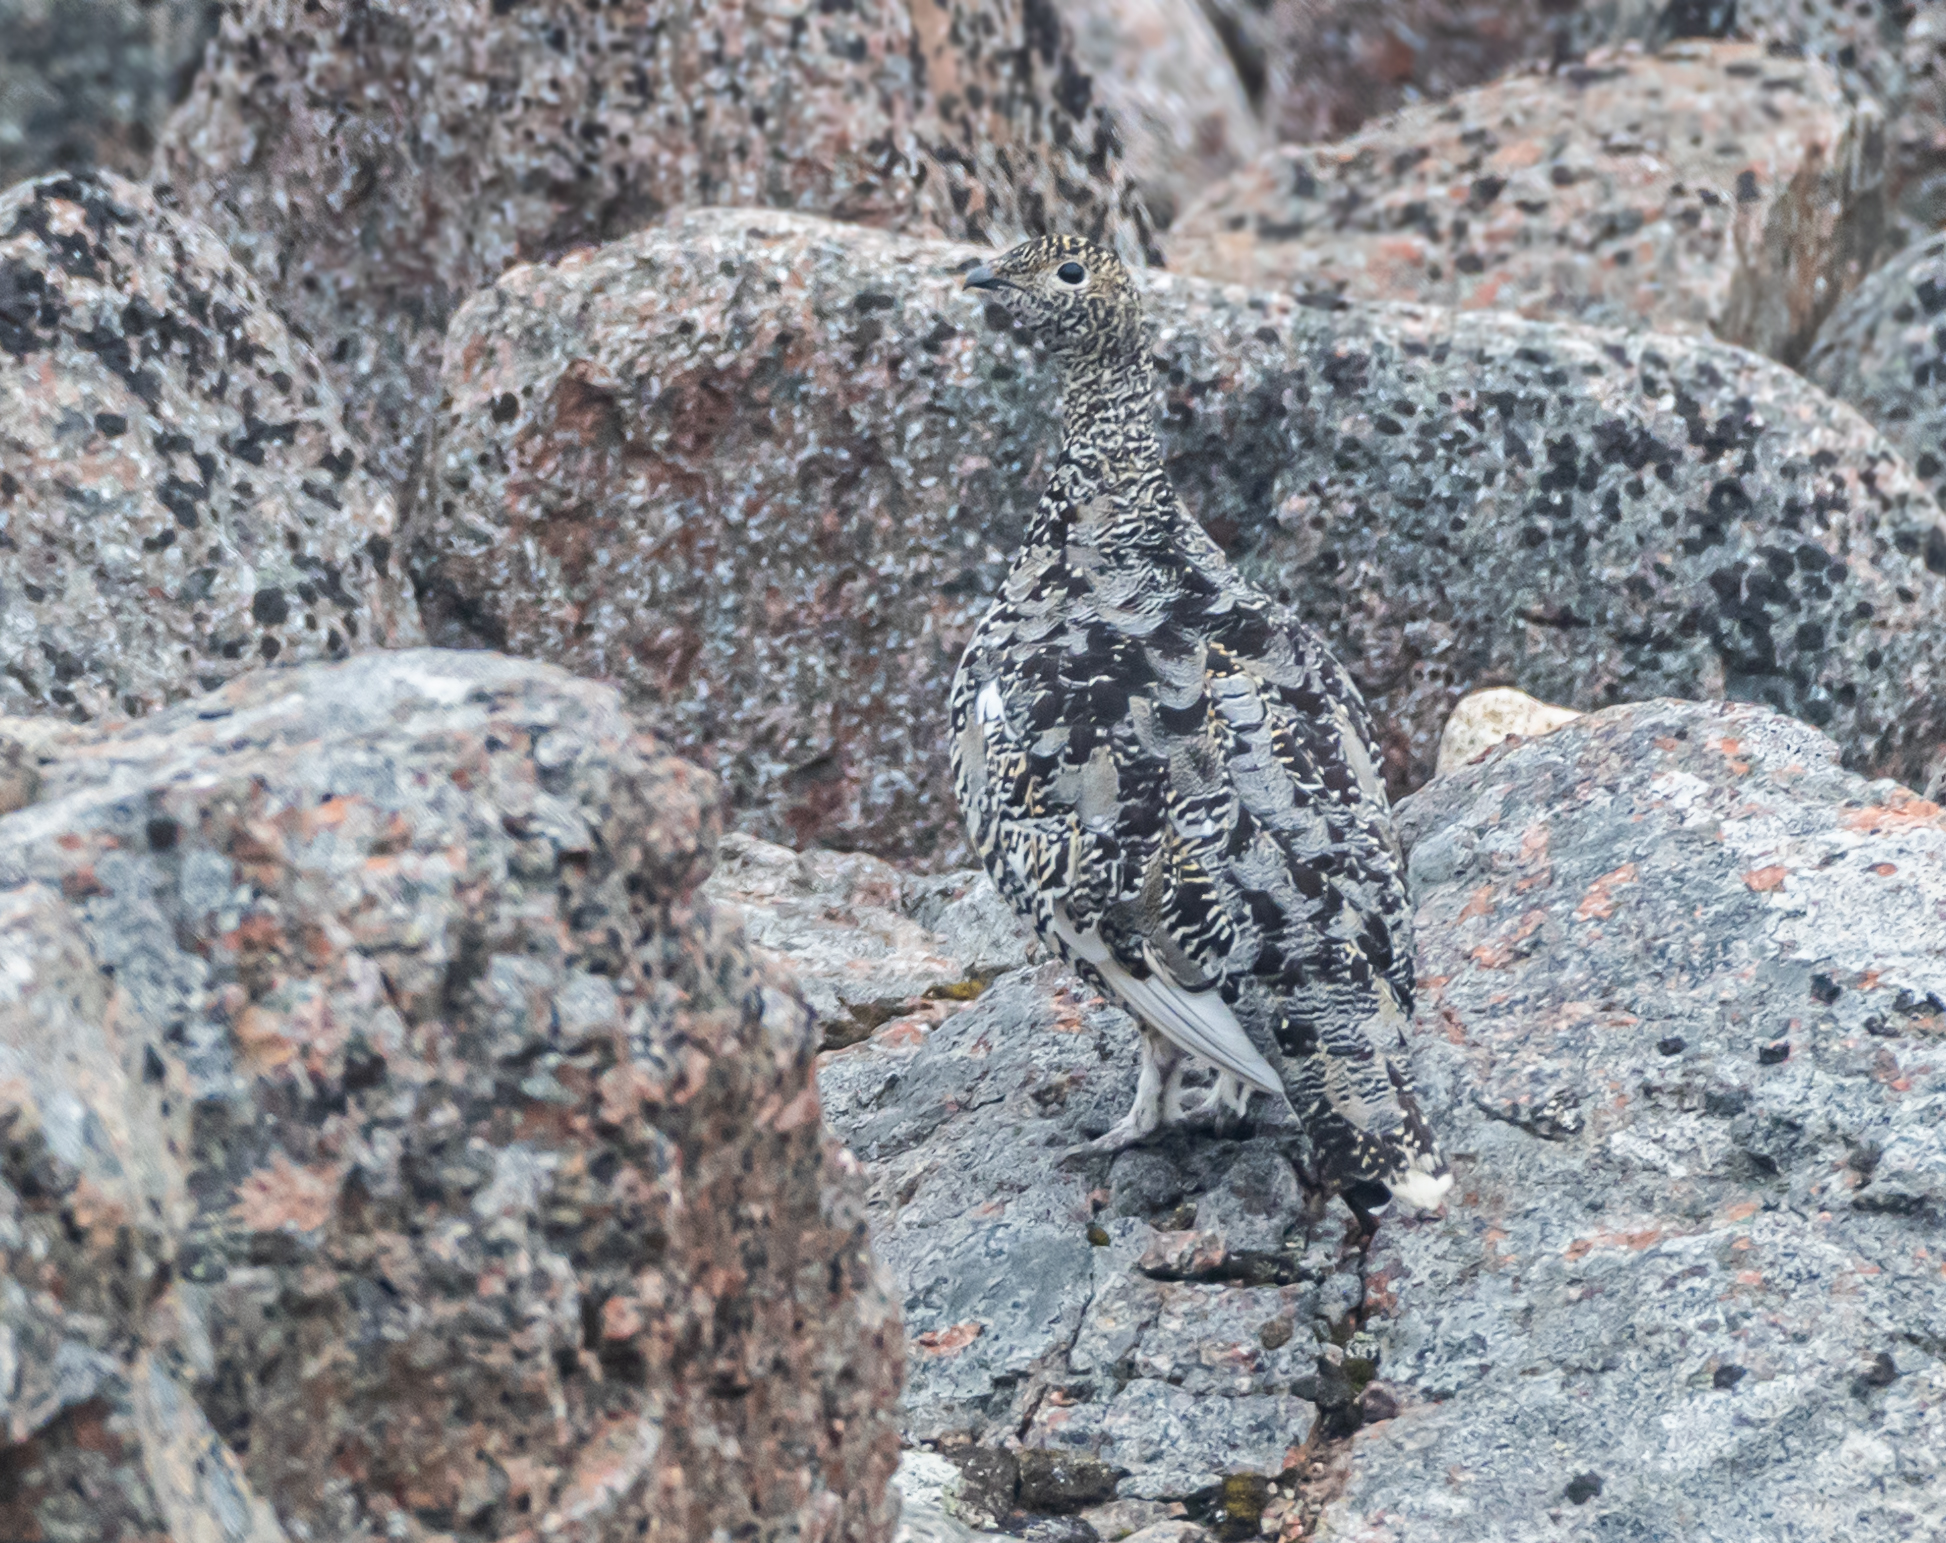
(1175, 783)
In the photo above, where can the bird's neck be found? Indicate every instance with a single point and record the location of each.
(1109, 448)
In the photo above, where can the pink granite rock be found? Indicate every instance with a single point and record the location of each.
(179, 501)
(373, 168)
(1706, 187)
(1332, 64)
(502, 1207)
(765, 472)
(1184, 118)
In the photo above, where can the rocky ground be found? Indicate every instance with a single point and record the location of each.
(566, 1083)
(1683, 1004)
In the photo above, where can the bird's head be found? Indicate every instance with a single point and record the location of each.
(1069, 295)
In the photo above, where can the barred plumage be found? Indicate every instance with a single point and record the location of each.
(1176, 784)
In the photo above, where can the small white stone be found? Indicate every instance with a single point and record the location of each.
(1484, 718)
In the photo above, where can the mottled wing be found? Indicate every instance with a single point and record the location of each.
(1070, 811)
(1313, 861)
(1178, 786)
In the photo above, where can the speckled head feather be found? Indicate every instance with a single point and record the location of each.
(1069, 295)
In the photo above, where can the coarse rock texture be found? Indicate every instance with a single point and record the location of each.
(506, 1206)
(374, 167)
(1917, 148)
(928, 1487)
(1013, 139)
(100, 1442)
(1682, 1014)
(1683, 1030)
(1893, 54)
(867, 944)
(766, 471)
(1327, 66)
(1484, 718)
(1137, 1325)
(179, 502)
(1707, 187)
(1884, 352)
(86, 83)
(1160, 68)
(1322, 68)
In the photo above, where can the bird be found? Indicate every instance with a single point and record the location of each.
(1175, 783)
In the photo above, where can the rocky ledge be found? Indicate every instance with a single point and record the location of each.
(1682, 1024)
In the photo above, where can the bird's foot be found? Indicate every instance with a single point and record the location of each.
(1217, 1121)
(1221, 1109)
(1126, 1132)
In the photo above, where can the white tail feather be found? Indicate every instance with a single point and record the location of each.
(1199, 1021)
(1421, 1190)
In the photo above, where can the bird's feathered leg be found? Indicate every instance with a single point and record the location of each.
(1221, 1106)
(1161, 1067)
(1174, 1111)
(1231, 1094)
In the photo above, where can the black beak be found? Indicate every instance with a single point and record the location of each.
(982, 277)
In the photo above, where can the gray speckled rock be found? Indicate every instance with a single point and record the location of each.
(97, 1437)
(1893, 54)
(1884, 351)
(1706, 187)
(1135, 1326)
(1322, 68)
(1325, 67)
(1681, 1022)
(765, 472)
(1918, 134)
(179, 502)
(375, 167)
(508, 1207)
(86, 83)
(929, 1488)
(1681, 1028)
(1330, 65)
(866, 943)
(1181, 111)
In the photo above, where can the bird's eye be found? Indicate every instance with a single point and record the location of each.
(1070, 273)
